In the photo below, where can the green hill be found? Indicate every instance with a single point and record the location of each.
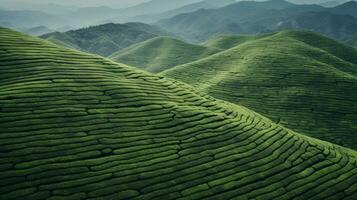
(161, 53)
(302, 80)
(78, 126)
(105, 39)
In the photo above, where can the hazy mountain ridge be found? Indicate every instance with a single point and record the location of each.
(106, 39)
(30, 19)
(152, 11)
(82, 17)
(263, 17)
(205, 4)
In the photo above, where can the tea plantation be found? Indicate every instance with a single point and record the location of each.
(302, 80)
(78, 126)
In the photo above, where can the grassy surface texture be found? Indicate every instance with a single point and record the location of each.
(302, 80)
(78, 126)
(161, 53)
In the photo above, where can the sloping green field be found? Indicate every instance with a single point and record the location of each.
(161, 53)
(302, 80)
(229, 41)
(78, 126)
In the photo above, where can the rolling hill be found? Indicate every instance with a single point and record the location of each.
(107, 38)
(302, 80)
(78, 126)
(38, 30)
(161, 53)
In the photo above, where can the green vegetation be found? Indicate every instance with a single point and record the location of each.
(229, 41)
(161, 53)
(105, 39)
(78, 126)
(302, 80)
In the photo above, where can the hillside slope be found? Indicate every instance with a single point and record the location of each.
(303, 80)
(229, 41)
(106, 39)
(161, 53)
(77, 126)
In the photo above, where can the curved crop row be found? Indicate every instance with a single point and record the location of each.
(77, 126)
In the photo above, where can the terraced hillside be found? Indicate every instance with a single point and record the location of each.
(302, 80)
(77, 126)
(161, 53)
(107, 38)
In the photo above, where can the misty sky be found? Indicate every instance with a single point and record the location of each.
(31, 4)
(81, 3)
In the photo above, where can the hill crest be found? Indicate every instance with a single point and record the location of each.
(280, 76)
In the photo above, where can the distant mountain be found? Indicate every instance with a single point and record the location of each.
(330, 4)
(49, 8)
(202, 24)
(303, 80)
(106, 39)
(54, 16)
(349, 8)
(206, 4)
(317, 2)
(93, 15)
(38, 30)
(264, 17)
(341, 27)
(156, 6)
(29, 19)
(103, 14)
(161, 53)
(150, 11)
